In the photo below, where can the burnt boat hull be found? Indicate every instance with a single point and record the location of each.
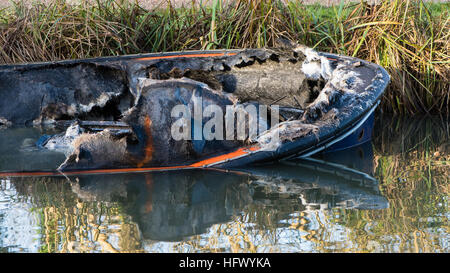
(87, 89)
(341, 137)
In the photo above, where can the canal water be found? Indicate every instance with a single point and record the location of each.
(388, 195)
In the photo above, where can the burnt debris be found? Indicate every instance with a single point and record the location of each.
(136, 96)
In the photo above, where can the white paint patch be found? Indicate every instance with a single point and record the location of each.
(312, 70)
(63, 143)
(100, 102)
(4, 121)
(345, 80)
(315, 66)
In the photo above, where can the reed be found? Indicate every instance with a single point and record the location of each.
(409, 38)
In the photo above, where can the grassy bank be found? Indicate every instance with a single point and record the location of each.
(409, 38)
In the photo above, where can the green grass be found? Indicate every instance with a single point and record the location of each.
(437, 9)
(409, 38)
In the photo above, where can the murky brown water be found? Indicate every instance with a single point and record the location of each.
(390, 195)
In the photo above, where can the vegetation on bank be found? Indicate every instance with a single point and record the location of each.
(409, 38)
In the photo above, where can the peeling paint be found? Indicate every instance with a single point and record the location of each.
(285, 131)
(5, 122)
(63, 142)
(314, 66)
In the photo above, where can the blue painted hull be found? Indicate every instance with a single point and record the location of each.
(360, 136)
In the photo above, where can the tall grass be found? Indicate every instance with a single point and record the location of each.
(409, 38)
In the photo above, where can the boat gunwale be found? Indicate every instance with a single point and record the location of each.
(377, 86)
(136, 57)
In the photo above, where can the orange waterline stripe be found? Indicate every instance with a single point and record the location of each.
(198, 165)
(237, 153)
(187, 56)
(99, 171)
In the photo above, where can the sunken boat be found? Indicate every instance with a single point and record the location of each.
(174, 205)
(172, 110)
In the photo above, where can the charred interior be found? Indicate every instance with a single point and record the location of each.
(136, 96)
(274, 79)
(96, 91)
(266, 82)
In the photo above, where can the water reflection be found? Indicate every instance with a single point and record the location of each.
(386, 199)
(18, 150)
(175, 205)
(170, 206)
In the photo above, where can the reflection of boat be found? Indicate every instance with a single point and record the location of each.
(338, 184)
(176, 204)
(323, 99)
(359, 158)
